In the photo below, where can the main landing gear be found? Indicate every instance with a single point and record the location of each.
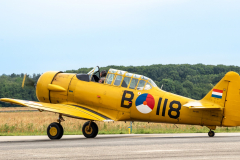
(211, 133)
(90, 129)
(55, 130)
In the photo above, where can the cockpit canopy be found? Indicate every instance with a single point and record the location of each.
(119, 78)
(128, 80)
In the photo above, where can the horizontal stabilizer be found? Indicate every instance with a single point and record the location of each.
(75, 111)
(202, 105)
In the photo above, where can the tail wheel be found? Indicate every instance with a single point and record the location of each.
(90, 130)
(55, 131)
(211, 133)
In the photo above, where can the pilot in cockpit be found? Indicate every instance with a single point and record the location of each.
(102, 76)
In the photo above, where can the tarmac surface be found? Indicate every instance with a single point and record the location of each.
(134, 146)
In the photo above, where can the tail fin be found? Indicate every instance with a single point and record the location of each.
(219, 92)
(227, 94)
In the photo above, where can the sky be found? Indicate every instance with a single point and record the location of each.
(59, 35)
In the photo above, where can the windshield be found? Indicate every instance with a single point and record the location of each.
(94, 71)
(91, 71)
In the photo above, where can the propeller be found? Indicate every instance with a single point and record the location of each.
(28, 82)
(24, 79)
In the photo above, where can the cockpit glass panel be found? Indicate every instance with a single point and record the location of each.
(126, 81)
(112, 70)
(128, 74)
(136, 76)
(152, 83)
(94, 74)
(109, 78)
(148, 86)
(91, 71)
(145, 78)
(133, 83)
(118, 80)
(141, 84)
(121, 72)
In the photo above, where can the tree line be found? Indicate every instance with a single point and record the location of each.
(11, 87)
(193, 81)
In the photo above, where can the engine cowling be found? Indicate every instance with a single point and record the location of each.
(52, 87)
(42, 91)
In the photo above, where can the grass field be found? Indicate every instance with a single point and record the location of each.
(36, 123)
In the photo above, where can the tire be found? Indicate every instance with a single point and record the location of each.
(55, 131)
(92, 133)
(62, 130)
(211, 133)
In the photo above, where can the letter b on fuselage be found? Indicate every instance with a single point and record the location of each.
(126, 98)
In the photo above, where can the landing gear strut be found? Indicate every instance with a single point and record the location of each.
(211, 133)
(55, 130)
(90, 129)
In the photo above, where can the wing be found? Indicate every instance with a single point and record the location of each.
(75, 111)
(202, 105)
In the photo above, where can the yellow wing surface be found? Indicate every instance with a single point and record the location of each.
(75, 111)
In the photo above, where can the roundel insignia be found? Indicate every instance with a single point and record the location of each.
(145, 103)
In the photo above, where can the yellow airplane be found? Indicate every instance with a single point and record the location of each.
(130, 97)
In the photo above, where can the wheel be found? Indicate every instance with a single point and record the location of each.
(90, 132)
(55, 131)
(211, 133)
(62, 130)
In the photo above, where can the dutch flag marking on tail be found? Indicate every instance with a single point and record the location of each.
(216, 93)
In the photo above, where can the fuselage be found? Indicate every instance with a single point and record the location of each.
(122, 103)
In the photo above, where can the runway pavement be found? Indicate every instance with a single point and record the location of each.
(135, 146)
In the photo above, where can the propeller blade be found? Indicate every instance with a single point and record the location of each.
(29, 82)
(24, 78)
